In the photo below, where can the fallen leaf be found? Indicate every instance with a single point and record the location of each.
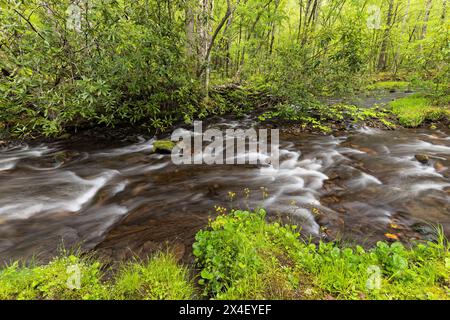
(391, 236)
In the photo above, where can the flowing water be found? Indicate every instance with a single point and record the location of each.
(123, 199)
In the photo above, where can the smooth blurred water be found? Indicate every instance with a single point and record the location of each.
(125, 198)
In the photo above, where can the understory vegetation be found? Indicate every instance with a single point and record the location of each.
(243, 256)
(328, 118)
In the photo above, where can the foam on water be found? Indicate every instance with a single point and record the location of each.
(363, 181)
(9, 157)
(422, 146)
(142, 146)
(369, 131)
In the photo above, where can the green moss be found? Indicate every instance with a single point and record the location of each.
(163, 146)
(412, 111)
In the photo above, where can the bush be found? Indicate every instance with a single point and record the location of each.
(117, 69)
(241, 256)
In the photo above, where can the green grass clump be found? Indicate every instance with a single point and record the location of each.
(389, 85)
(414, 110)
(161, 278)
(56, 280)
(242, 256)
(76, 278)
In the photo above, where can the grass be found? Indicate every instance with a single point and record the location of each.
(242, 256)
(414, 110)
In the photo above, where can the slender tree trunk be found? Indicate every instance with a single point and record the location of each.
(272, 37)
(299, 36)
(426, 18)
(382, 60)
(190, 31)
(403, 29)
(208, 37)
(306, 22)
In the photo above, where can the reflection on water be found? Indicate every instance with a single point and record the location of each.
(126, 198)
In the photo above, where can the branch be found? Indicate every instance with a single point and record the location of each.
(30, 24)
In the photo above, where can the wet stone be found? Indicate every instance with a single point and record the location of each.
(422, 158)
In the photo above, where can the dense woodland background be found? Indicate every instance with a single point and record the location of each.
(68, 64)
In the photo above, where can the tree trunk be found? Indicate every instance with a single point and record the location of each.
(426, 18)
(403, 29)
(382, 60)
(190, 31)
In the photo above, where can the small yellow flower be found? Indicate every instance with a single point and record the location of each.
(220, 210)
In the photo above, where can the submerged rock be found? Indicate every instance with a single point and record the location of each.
(163, 146)
(439, 167)
(422, 158)
(65, 136)
(65, 156)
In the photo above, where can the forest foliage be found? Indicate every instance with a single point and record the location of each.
(67, 64)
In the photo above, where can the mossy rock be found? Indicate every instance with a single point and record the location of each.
(163, 146)
(422, 158)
